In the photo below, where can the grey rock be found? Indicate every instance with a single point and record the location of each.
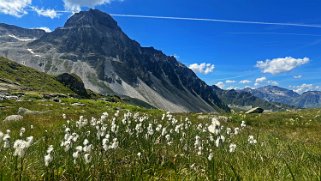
(24, 111)
(13, 118)
(78, 104)
(255, 110)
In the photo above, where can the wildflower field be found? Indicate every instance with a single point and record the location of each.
(114, 141)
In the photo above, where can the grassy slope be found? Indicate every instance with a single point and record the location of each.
(288, 146)
(30, 79)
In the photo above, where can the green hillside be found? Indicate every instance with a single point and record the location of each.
(16, 77)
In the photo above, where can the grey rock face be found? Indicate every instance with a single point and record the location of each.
(13, 118)
(92, 46)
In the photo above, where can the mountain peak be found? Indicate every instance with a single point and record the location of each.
(92, 17)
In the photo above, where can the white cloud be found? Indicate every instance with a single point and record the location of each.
(14, 7)
(297, 76)
(75, 5)
(46, 29)
(280, 65)
(230, 81)
(51, 13)
(203, 68)
(305, 87)
(245, 81)
(220, 85)
(260, 80)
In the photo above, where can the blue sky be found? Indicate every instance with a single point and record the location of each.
(255, 54)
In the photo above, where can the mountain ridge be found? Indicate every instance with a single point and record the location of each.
(109, 62)
(310, 99)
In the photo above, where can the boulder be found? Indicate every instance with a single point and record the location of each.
(74, 82)
(13, 118)
(255, 110)
(24, 111)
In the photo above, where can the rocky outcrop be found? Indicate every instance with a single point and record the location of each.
(74, 83)
(255, 110)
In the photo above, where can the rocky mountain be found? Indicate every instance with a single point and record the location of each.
(289, 97)
(311, 99)
(243, 100)
(92, 46)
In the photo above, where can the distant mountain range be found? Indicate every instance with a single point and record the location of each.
(92, 46)
(243, 100)
(311, 99)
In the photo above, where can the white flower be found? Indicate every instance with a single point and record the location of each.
(64, 116)
(168, 137)
(252, 140)
(115, 144)
(87, 148)
(48, 159)
(79, 148)
(87, 158)
(236, 131)
(86, 142)
(22, 131)
(75, 155)
(210, 156)
(19, 146)
(6, 139)
(50, 149)
(243, 125)
(215, 127)
(29, 141)
(232, 147)
(150, 130)
(228, 131)
(31, 126)
(139, 154)
(219, 141)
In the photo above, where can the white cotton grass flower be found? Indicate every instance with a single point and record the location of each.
(86, 142)
(252, 140)
(232, 147)
(48, 158)
(150, 130)
(22, 131)
(236, 131)
(115, 143)
(139, 154)
(243, 124)
(215, 127)
(6, 140)
(64, 116)
(219, 141)
(87, 158)
(19, 148)
(210, 156)
(228, 131)
(31, 127)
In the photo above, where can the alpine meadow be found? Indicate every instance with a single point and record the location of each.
(160, 90)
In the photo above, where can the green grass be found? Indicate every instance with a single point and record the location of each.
(288, 145)
(30, 79)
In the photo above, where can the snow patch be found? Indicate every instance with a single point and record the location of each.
(20, 38)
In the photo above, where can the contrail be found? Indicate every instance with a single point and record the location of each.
(218, 20)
